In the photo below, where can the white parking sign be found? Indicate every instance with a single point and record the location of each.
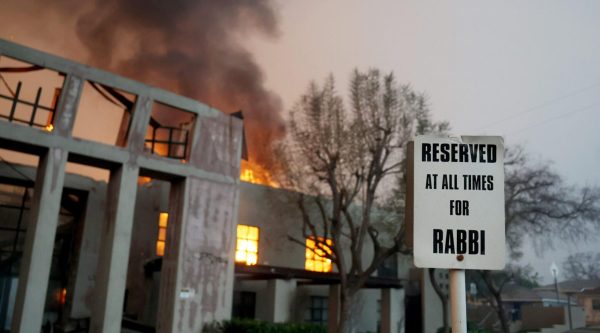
(459, 202)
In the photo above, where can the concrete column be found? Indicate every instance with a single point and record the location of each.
(333, 307)
(68, 102)
(197, 272)
(87, 263)
(114, 250)
(169, 277)
(279, 297)
(140, 118)
(39, 242)
(391, 310)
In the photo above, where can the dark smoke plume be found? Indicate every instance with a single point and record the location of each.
(191, 47)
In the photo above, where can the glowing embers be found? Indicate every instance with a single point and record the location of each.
(163, 220)
(169, 132)
(316, 255)
(256, 174)
(28, 93)
(246, 250)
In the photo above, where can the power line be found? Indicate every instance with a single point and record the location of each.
(560, 116)
(542, 105)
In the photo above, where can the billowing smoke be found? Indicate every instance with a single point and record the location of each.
(191, 47)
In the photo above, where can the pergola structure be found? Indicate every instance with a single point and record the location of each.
(202, 203)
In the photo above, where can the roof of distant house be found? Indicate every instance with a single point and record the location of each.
(513, 292)
(574, 285)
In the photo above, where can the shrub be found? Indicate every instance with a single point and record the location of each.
(256, 326)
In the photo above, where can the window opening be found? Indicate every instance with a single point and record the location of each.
(317, 255)
(163, 220)
(246, 249)
(104, 114)
(596, 304)
(169, 132)
(28, 93)
(244, 304)
(318, 310)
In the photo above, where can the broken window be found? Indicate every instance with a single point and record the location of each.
(170, 132)
(28, 93)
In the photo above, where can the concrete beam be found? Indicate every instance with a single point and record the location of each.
(35, 140)
(62, 65)
(114, 251)
(39, 242)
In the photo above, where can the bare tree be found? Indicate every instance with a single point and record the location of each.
(347, 160)
(538, 204)
(582, 266)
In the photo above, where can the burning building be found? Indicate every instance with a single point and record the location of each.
(165, 237)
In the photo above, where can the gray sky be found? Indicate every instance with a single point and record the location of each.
(526, 70)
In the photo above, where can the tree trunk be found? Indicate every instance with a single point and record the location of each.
(346, 299)
(501, 313)
(497, 294)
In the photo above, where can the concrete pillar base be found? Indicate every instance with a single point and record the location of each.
(114, 251)
(39, 242)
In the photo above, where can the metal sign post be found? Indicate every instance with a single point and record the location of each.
(458, 300)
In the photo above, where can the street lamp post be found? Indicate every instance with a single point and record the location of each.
(554, 270)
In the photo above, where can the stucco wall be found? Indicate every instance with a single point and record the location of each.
(592, 316)
(278, 216)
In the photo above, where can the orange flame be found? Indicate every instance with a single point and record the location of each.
(256, 174)
(61, 296)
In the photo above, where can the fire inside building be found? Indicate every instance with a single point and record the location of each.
(159, 233)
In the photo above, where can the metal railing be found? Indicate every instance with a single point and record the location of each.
(173, 138)
(36, 107)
